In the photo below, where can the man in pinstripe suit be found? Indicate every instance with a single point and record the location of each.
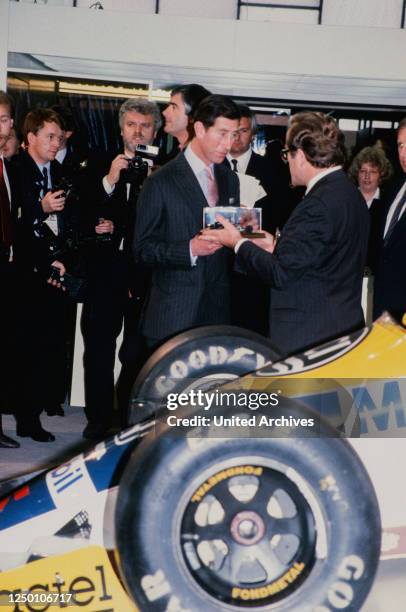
(190, 277)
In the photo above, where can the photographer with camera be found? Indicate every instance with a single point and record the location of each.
(116, 284)
(43, 220)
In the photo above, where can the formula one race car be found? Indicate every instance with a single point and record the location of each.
(260, 503)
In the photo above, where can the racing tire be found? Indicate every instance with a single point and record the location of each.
(198, 358)
(307, 539)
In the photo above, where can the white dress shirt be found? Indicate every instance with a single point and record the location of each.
(375, 196)
(242, 161)
(199, 169)
(61, 154)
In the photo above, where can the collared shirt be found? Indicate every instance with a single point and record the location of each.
(242, 161)
(319, 176)
(392, 208)
(375, 196)
(61, 154)
(199, 170)
(52, 219)
(41, 169)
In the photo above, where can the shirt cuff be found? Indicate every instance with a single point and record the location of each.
(193, 258)
(107, 187)
(239, 243)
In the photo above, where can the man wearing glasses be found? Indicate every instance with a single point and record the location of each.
(315, 268)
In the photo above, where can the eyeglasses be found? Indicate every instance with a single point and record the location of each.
(284, 153)
(366, 173)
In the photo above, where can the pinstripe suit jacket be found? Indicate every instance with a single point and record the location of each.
(316, 270)
(170, 214)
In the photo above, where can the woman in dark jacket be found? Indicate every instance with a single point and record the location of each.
(369, 169)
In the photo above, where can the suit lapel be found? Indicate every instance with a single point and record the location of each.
(398, 232)
(222, 173)
(252, 165)
(33, 169)
(188, 183)
(401, 224)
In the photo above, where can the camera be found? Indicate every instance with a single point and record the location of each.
(138, 165)
(66, 185)
(147, 150)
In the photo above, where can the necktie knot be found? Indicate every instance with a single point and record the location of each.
(234, 163)
(212, 194)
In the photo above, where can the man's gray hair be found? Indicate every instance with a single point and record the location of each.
(142, 106)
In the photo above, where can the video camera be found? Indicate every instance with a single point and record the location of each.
(138, 165)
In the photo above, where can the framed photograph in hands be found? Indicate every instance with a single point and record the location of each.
(247, 220)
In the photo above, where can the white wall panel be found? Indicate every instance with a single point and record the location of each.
(136, 6)
(4, 29)
(373, 13)
(287, 2)
(292, 61)
(214, 9)
(322, 50)
(115, 36)
(256, 13)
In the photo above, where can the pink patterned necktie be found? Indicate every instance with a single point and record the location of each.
(212, 193)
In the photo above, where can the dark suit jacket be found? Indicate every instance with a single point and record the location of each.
(316, 270)
(4, 252)
(34, 251)
(170, 214)
(120, 209)
(33, 242)
(377, 217)
(390, 278)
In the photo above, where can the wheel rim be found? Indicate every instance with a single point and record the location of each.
(247, 536)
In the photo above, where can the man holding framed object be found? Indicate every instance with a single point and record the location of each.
(315, 269)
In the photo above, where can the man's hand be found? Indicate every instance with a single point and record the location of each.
(229, 236)
(53, 202)
(62, 270)
(119, 163)
(267, 244)
(200, 247)
(105, 226)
